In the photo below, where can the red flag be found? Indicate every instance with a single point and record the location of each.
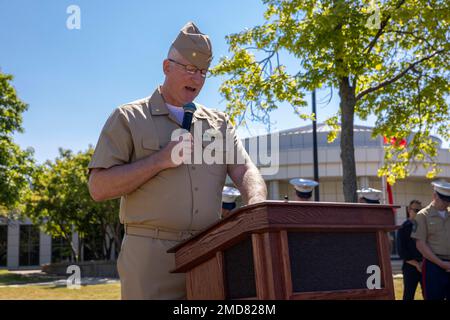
(390, 196)
(403, 143)
(394, 142)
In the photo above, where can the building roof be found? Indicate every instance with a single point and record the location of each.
(321, 127)
(301, 137)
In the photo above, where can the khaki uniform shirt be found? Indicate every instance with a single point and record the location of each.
(430, 227)
(185, 198)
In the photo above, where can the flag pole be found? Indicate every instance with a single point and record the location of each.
(383, 178)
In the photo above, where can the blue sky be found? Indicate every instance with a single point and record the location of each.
(73, 79)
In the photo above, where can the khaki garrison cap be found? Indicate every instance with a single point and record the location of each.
(194, 46)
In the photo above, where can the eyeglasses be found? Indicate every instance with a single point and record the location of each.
(191, 69)
(415, 210)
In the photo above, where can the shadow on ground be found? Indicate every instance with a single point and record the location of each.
(10, 278)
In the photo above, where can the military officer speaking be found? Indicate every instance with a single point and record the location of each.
(164, 201)
(431, 229)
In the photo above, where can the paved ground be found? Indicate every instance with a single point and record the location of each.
(396, 267)
(63, 282)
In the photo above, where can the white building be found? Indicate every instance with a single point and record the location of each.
(23, 245)
(296, 160)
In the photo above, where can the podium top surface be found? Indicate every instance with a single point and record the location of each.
(303, 214)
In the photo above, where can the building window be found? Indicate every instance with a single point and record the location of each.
(93, 245)
(29, 245)
(3, 245)
(61, 250)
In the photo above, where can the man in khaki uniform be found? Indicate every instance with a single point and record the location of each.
(431, 229)
(162, 201)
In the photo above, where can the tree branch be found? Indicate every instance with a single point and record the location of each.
(396, 77)
(411, 33)
(383, 24)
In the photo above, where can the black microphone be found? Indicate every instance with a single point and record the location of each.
(189, 109)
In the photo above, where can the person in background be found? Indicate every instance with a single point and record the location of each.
(303, 188)
(431, 229)
(373, 196)
(229, 196)
(369, 195)
(412, 258)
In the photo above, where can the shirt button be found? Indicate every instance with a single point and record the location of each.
(196, 189)
(193, 168)
(196, 211)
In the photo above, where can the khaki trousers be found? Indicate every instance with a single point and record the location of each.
(144, 266)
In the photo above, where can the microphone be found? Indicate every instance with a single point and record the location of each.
(189, 109)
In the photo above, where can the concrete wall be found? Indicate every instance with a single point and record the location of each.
(13, 245)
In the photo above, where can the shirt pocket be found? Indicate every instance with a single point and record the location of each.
(435, 227)
(146, 140)
(147, 147)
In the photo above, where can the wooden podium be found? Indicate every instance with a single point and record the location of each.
(291, 250)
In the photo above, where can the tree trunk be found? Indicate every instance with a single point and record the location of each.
(347, 105)
(72, 248)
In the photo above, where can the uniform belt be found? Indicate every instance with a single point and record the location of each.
(157, 233)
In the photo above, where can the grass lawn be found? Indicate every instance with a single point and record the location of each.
(51, 292)
(398, 286)
(91, 292)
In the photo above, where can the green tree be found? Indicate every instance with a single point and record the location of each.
(16, 165)
(60, 203)
(389, 59)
